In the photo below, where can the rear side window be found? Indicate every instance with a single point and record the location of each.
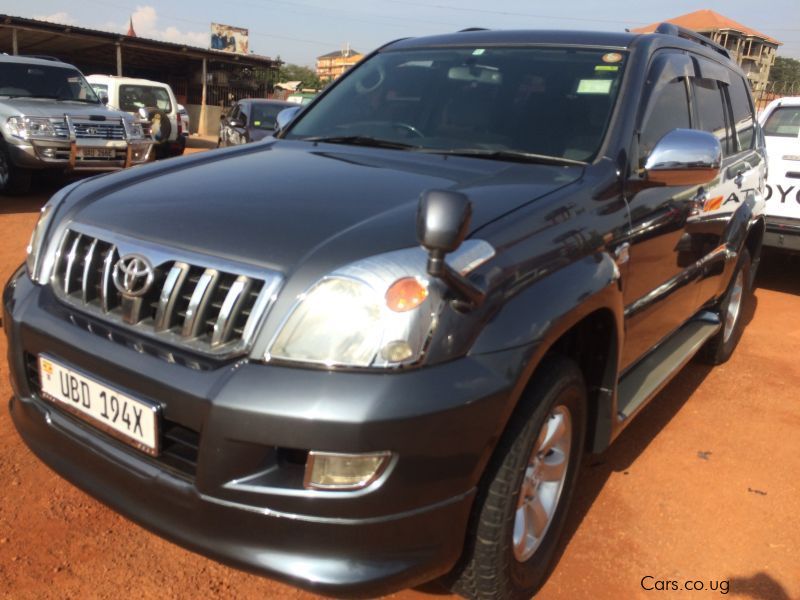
(743, 120)
(711, 111)
(783, 122)
(670, 110)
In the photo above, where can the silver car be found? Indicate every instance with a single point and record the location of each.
(51, 118)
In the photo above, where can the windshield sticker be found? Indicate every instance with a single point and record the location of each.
(612, 57)
(595, 86)
(257, 123)
(606, 68)
(478, 51)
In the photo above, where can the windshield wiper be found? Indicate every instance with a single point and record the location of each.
(359, 140)
(510, 155)
(84, 100)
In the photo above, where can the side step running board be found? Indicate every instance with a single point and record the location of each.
(647, 378)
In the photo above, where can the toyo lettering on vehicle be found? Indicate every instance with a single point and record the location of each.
(781, 127)
(370, 351)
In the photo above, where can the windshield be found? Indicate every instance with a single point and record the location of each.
(783, 122)
(540, 101)
(263, 115)
(20, 80)
(134, 97)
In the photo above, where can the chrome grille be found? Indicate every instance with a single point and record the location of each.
(203, 308)
(99, 130)
(89, 130)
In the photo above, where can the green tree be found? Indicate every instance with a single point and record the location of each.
(785, 70)
(306, 76)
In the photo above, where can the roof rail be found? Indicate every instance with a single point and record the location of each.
(688, 34)
(40, 57)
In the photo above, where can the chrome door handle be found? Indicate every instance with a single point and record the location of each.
(698, 202)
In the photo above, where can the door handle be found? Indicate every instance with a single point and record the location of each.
(697, 203)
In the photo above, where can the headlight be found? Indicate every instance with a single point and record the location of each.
(38, 267)
(31, 127)
(135, 131)
(377, 312)
(37, 238)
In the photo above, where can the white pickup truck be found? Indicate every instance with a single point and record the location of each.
(780, 123)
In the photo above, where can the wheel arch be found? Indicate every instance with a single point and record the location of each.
(589, 332)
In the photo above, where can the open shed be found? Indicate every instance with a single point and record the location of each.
(204, 80)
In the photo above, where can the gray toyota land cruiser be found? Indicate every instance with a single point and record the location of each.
(370, 351)
(50, 118)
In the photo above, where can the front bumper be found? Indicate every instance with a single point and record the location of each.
(782, 232)
(77, 156)
(244, 504)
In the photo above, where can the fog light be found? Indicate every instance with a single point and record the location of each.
(397, 351)
(334, 471)
(49, 153)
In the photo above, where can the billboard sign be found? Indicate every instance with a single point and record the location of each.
(229, 39)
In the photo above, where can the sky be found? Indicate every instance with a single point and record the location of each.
(297, 31)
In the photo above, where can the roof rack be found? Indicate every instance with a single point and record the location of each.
(688, 34)
(40, 57)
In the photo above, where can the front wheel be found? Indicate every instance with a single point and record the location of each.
(523, 504)
(720, 347)
(13, 179)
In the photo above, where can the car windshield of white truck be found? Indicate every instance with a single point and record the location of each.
(501, 101)
(20, 80)
(783, 122)
(134, 97)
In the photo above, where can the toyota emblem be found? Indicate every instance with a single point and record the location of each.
(133, 275)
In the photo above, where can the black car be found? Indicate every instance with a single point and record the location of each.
(478, 256)
(249, 120)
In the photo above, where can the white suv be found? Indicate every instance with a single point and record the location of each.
(158, 101)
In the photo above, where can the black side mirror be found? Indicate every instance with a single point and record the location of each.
(443, 219)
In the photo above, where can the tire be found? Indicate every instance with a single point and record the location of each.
(499, 562)
(13, 179)
(719, 348)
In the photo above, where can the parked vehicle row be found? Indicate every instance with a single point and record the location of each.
(51, 118)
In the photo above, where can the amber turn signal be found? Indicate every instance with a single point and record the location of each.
(406, 294)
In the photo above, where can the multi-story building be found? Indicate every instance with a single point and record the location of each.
(332, 65)
(754, 51)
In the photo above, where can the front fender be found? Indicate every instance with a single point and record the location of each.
(543, 311)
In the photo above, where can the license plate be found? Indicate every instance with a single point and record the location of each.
(96, 152)
(125, 418)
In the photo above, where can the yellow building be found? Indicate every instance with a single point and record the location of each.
(332, 65)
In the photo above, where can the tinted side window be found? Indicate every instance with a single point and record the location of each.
(711, 111)
(670, 110)
(743, 119)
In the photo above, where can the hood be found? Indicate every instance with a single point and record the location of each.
(274, 204)
(257, 134)
(46, 107)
